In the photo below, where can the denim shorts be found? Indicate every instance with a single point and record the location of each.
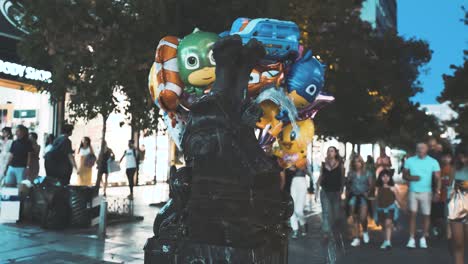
(354, 201)
(15, 175)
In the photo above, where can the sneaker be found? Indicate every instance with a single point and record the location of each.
(356, 242)
(295, 234)
(365, 238)
(386, 245)
(422, 242)
(411, 243)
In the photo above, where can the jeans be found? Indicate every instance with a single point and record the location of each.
(331, 204)
(15, 175)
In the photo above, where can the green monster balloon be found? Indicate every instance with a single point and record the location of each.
(195, 61)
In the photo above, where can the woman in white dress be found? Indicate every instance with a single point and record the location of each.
(5, 144)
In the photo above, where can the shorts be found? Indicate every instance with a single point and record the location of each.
(357, 201)
(382, 216)
(420, 201)
(15, 175)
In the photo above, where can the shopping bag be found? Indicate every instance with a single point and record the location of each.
(458, 206)
(112, 166)
(90, 160)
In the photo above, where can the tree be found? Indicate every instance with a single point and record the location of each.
(398, 65)
(456, 93)
(371, 75)
(69, 38)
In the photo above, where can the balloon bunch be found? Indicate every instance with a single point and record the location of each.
(287, 84)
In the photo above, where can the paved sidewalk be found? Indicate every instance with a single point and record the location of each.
(124, 242)
(309, 250)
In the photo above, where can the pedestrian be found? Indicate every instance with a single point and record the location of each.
(435, 149)
(447, 174)
(5, 144)
(387, 209)
(59, 160)
(370, 164)
(331, 180)
(457, 214)
(419, 171)
(131, 163)
(360, 182)
(298, 194)
(34, 165)
(48, 144)
(383, 161)
(19, 159)
(105, 155)
(87, 161)
(438, 207)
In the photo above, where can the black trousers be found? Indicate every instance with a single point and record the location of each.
(130, 173)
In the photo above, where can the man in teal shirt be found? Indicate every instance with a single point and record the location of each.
(419, 171)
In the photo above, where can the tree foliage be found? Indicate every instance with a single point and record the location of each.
(372, 75)
(456, 93)
(99, 47)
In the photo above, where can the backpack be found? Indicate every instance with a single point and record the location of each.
(55, 153)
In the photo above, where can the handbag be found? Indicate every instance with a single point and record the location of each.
(90, 160)
(112, 166)
(458, 206)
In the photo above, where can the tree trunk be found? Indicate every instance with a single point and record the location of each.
(104, 130)
(359, 149)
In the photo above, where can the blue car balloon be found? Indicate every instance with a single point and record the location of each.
(280, 38)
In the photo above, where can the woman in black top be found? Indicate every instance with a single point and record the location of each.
(105, 155)
(331, 180)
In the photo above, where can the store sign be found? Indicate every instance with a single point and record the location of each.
(21, 71)
(24, 114)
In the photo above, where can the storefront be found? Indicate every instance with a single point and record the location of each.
(20, 102)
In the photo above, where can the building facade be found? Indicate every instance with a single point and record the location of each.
(20, 102)
(381, 14)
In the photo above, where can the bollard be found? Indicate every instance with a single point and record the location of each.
(130, 207)
(102, 219)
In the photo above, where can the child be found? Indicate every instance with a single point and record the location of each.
(387, 209)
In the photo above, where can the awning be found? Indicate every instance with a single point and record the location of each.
(4, 83)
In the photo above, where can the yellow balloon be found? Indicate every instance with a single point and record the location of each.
(270, 111)
(293, 148)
